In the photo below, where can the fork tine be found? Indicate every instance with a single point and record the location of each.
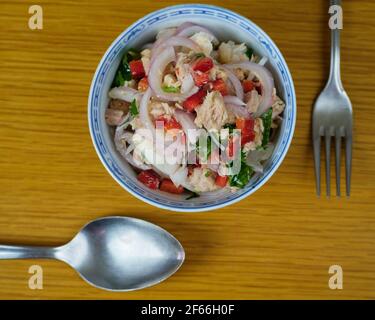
(328, 167)
(338, 163)
(316, 146)
(348, 162)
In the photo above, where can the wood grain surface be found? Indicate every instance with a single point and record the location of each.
(277, 244)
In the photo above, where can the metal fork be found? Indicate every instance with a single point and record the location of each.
(332, 117)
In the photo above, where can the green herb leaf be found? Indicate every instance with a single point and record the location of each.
(119, 79)
(241, 179)
(123, 72)
(267, 122)
(199, 55)
(133, 108)
(230, 126)
(192, 195)
(249, 52)
(171, 89)
(207, 174)
(204, 151)
(125, 69)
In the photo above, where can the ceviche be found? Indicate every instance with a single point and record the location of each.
(194, 114)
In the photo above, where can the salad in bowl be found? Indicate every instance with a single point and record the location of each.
(192, 108)
(210, 103)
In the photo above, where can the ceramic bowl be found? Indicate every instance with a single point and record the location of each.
(227, 25)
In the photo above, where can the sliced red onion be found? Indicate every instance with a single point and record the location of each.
(213, 162)
(235, 82)
(127, 136)
(188, 31)
(161, 36)
(212, 167)
(234, 100)
(130, 148)
(179, 178)
(156, 44)
(123, 93)
(175, 41)
(187, 122)
(156, 73)
(143, 112)
(121, 148)
(187, 83)
(255, 165)
(238, 111)
(161, 174)
(183, 26)
(266, 80)
(166, 33)
(255, 157)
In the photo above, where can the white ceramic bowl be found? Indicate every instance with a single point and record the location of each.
(227, 25)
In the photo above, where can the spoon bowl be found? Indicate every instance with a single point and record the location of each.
(114, 253)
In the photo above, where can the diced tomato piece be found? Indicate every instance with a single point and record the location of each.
(221, 86)
(247, 138)
(203, 64)
(143, 84)
(240, 123)
(149, 178)
(195, 100)
(168, 186)
(172, 124)
(247, 85)
(233, 146)
(200, 78)
(247, 129)
(136, 69)
(221, 181)
(230, 147)
(169, 124)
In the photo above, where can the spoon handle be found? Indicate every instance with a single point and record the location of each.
(26, 252)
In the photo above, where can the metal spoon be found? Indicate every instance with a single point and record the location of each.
(114, 253)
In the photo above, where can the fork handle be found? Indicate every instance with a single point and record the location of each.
(335, 76)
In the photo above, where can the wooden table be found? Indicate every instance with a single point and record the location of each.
(278, 243)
